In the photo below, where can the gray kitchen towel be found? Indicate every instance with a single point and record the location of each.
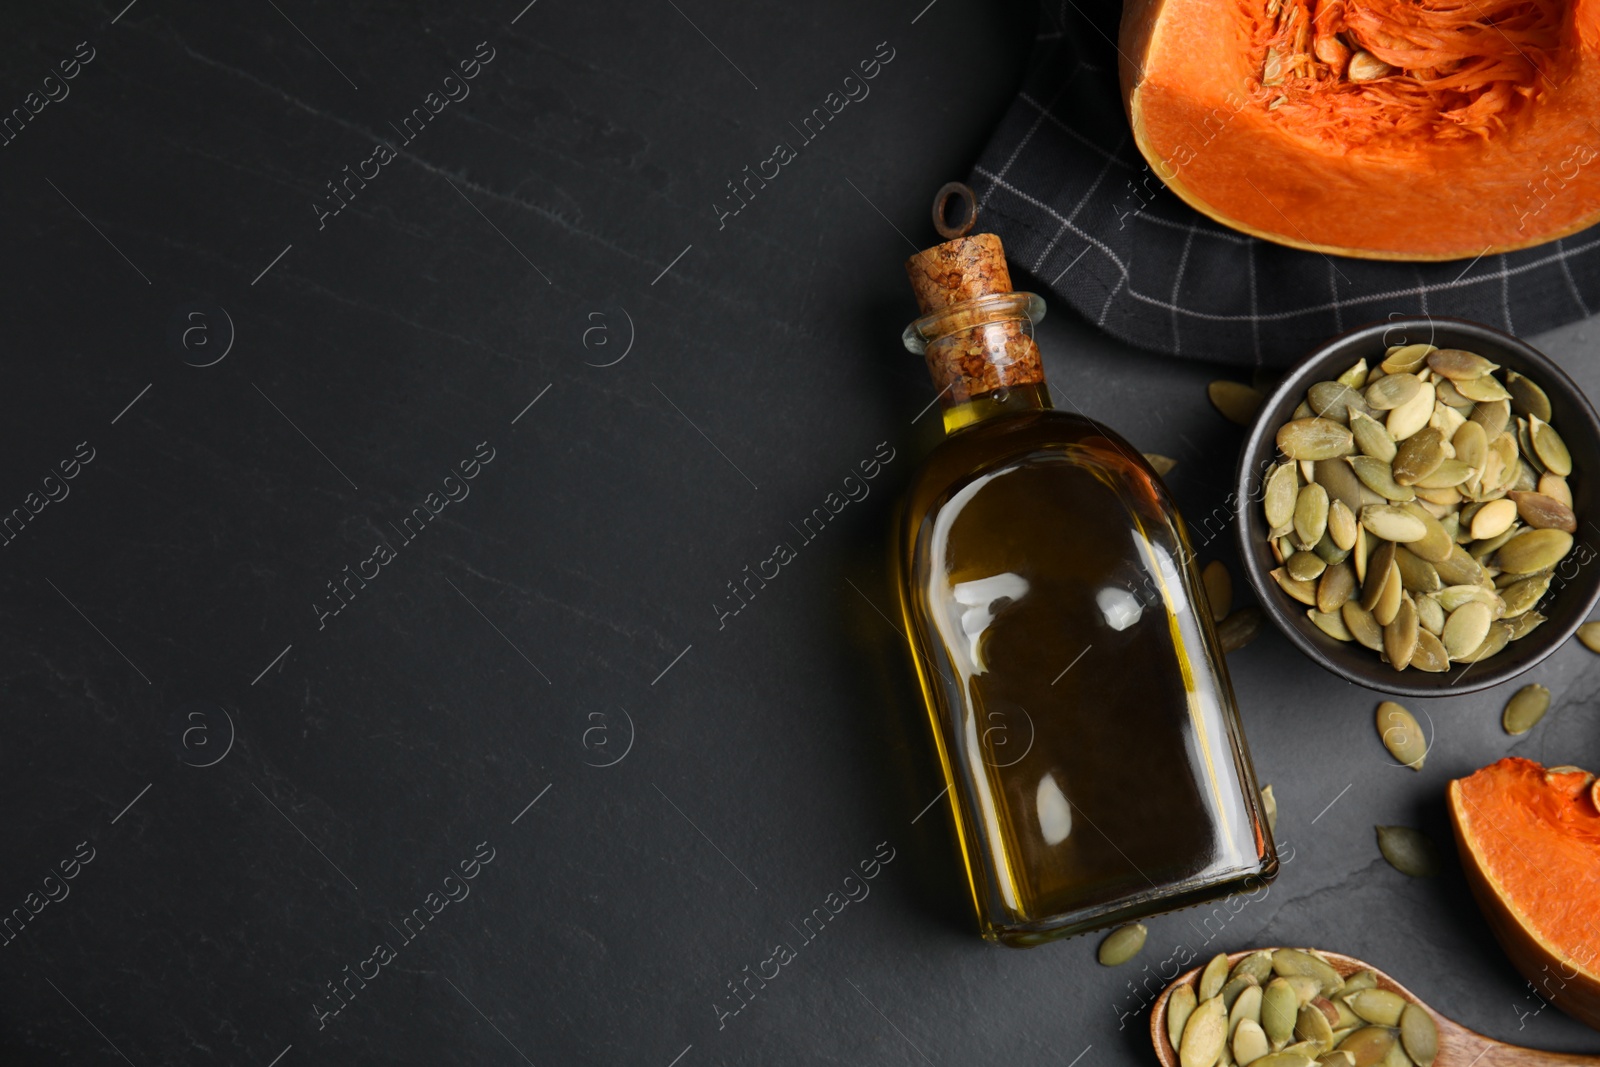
(1064, 186)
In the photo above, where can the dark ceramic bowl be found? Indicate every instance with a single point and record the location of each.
(1577, 587)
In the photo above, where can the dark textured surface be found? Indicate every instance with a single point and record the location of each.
(524, 638)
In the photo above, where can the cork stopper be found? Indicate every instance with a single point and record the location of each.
(959, 270)
(975, 332)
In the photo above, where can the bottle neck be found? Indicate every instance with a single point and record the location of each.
(982, 357)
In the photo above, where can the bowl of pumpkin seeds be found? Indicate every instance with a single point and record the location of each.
(1417, 506)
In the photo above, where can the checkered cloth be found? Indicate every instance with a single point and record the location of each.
(1065, 187)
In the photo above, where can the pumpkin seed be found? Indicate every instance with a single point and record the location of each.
(1292, 962)
(1368, 1045)
(1239, 629)
(1313, 438)
(1524, 624)
(1452, 597)
(1377, 476)
(1258, 964)
(1549, 447)
(1406, 358)
(1430, 655)
(1237, 401)
(1204, 1034)
(1234, 988)
(1180, 1005)
(1466, 628)
(1283, 484)
(1305, 987)
(1419, 1033)
(1122, 944)
(1525, 709)
(1544, 512)
(1311, 1025)
(1342, 525)
(1401, 635)
(1457, 363)
(1418, 456)
(1336, 476)
(1393, 390)
(1269, 804)
(1331, 624)
(1492, 416)
(1394, 524)
(1162, 465)
(1493, 519)
(1396, 1057)
(1279, 1006)
(1533, 550)
(1459, 568)
(1302, 591)
(1356, 376)
(1247, 1007)
(1417, 575)
(1213, 977)
(1334, 400)
(1371, 437)
(1311, 514)
(1408, 851)
(1249, 1042)
(1413, 415)
(1378, 1006)
(1448, 475)
(1526, 397)
(1430, 615)
(1447, 420)
(1499, 637)
(1555, 487)
(1366, 978)
(1486, 389)
(1335, 588)
(1482, 550)
(1305, 566)
(1521, 596)
(1362, 626)
(1589, 636)
(1284, 1059)
(1471, 443)
(1387, 608)
(1219, 589)
(1402, 736)
(1336, 1058)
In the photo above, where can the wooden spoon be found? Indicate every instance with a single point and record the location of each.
(1458, 1046)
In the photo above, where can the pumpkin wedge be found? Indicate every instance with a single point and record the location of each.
(1530, 845)
(1383, 129)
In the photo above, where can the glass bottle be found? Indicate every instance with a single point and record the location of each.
(1078, 696)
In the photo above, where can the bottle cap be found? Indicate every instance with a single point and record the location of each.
(958, 270)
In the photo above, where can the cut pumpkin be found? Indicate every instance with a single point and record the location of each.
(1384, 129)
(1530, 845)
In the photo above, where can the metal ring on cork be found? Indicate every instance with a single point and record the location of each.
(941, 203)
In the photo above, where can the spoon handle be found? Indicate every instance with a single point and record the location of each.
(1467, 1048)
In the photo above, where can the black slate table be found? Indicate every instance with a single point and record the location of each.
(393, 394)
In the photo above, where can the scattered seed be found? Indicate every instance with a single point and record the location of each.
(1408, 851)
(1402, 736)
(1269, 804)
(1525, 708)
(1122, 944)
(1237, 402)
(1239, 629)
(1162, 465)
(1219, 589)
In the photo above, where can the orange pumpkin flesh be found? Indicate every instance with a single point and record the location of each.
(1484, 136)
(1530, 845)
